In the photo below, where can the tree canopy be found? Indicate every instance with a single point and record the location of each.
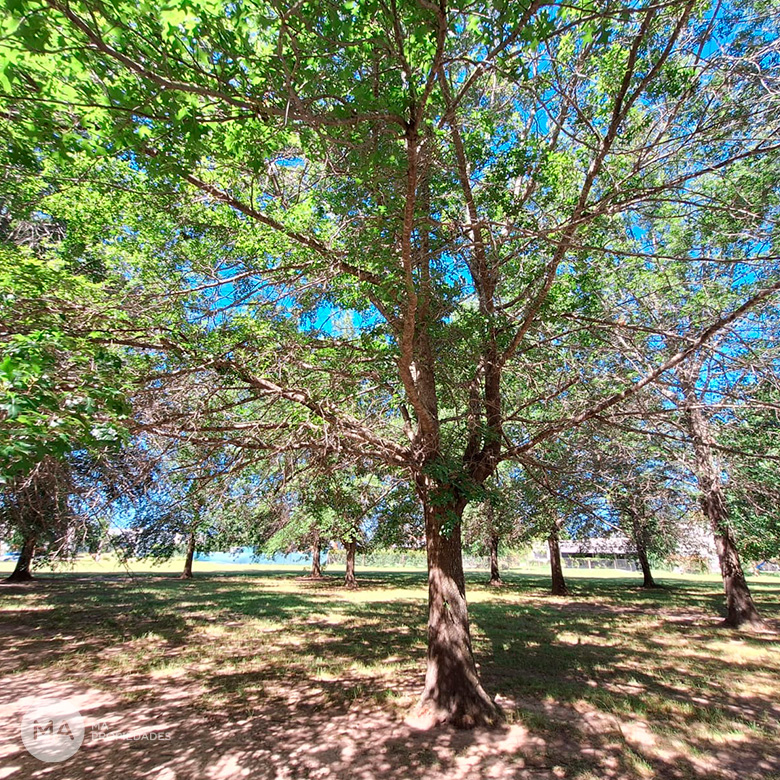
(412, 232)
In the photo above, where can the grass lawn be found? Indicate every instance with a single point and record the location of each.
(269, 675)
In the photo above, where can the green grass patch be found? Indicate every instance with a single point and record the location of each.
(612, 670)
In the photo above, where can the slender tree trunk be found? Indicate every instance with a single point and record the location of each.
(740, 608)
(640, 540)
(99, 552)
(452, 692)
(350, 580)
(556, 567)
(495, 575)
(316, 552)
(22, 571)
(187, 573)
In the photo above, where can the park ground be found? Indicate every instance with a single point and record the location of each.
(270, 675)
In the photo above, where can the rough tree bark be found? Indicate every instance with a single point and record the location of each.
(349, 579)
(452, 692)
(740, 608)
(495, 574)
(647, 574)
(23, 570)
(556, 567)
(187, 573)
(639, 530)
(316, 552)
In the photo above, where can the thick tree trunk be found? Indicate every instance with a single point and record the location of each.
(349, 579)
(647, 574)
(452, 692)
(316, 552)
(22, 571)
(556, 567)
(187, 573)
(740, 608)
(495, 575)
(640, 540)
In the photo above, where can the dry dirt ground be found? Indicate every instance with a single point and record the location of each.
(277, 677)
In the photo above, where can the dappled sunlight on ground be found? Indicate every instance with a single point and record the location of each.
(281, 677)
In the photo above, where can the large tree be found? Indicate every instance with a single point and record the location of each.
(405, 202)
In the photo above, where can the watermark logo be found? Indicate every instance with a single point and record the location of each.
(52, 730)
(102, 732)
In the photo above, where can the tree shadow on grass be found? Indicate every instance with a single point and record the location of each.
(63, 617)
(310, 683)
(557, 661)
(311, 737)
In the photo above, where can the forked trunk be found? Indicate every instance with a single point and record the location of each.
(187, 573)
(350, 580)
(556, 567)
(316, 552)
(23, 570)
(453, 692)
(640, 534)
(495, 575)
(740, 608)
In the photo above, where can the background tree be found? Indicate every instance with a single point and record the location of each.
(354, 498)
(507, 514)
(34, 511)
(62, 506)
(192, 503)
(752, 492)
(64, 388)
(642, 482)
(303, 523)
